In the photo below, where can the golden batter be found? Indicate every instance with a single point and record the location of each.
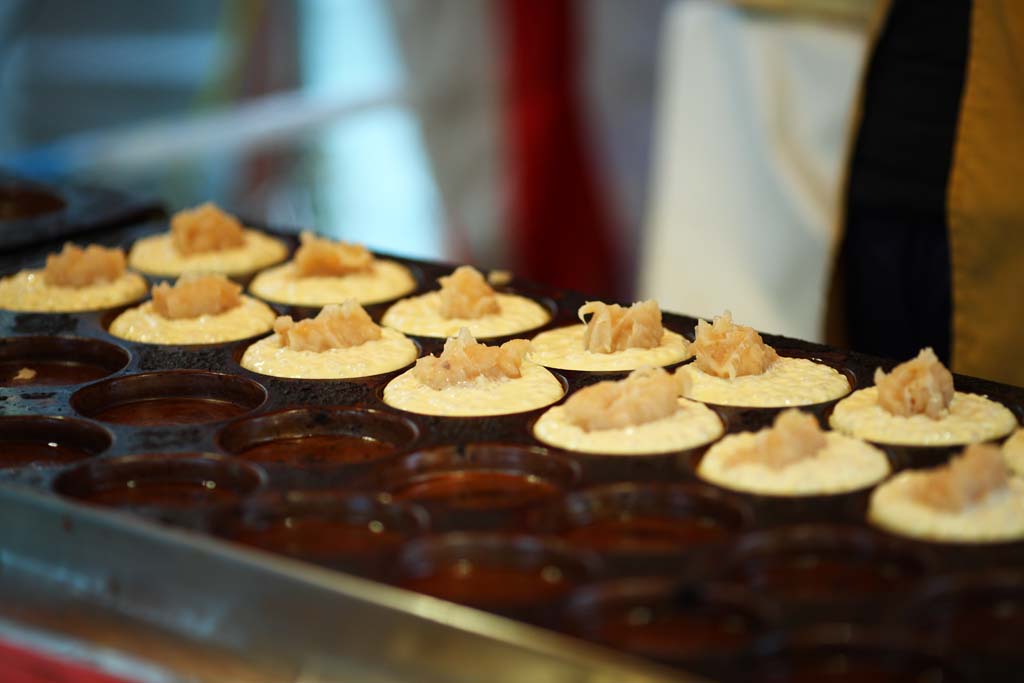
(787, 382)
(1013, 451)
(970, 418)
(198, 309)
(341, 342)
(690, 426)
(74, 280)
(472, 379)
(972, 499)
(845, 464)
(196, 244)
(562, 348)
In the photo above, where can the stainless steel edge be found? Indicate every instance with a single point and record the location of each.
(324, 625)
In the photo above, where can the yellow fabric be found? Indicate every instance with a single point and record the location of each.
(986, 199)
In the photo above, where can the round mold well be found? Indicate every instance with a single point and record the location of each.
(238, 351)
(57, 361)
(842, 653)
(301, 311)
(41, 440)
(826, 571)
(664, 618)
(617, 467)
(479, 485)
(644, 518)
(180, 488)
(543, 300)
(172, 397)
(483, 416)
(981, 614)
(351, 532)
(318, 447)
(21, 201)
(520, 576)
(839, 507)
(752, 418)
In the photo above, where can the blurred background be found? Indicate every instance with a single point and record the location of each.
(564, 139)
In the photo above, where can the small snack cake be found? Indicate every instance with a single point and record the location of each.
(612, 339)
(74, 280)
(472, 379)
(198, 309)
(916, 405)
(465, 300)
(971, 499)
(794, 457)
(733, 366)
(205, 240)
(639, 415)
(324, 272)
(341, 342)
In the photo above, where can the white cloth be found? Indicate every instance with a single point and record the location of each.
(748, 159)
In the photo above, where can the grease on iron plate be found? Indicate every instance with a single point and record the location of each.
(612, 339)
(916, 405)
(325, 272)
(972, 499)
(341, 342)
(794, 457)
(199, 309)
(640, 415)
(74, 280)
(465, 300)
(205, 240)
(733, 366)
(472, 379)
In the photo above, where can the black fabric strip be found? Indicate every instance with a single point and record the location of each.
(895, 251)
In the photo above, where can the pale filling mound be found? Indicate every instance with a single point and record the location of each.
(973, 499)
(724, 349)
(793, 437)
(648, 394)
(970, 418)
(793, 458)
(205, 309)
(205, 228)
(922, 386)
(196, 295)
(641, 414)
(30, 291)
(466, 295)
(787, 382)
(77, 267)
(463, 359)
(382, 281)
(614, 328)
(469, 378)
(1013, 451)
(391, 351)
(157, 255)
(317, 256)
(335, 327)
(421, 315)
